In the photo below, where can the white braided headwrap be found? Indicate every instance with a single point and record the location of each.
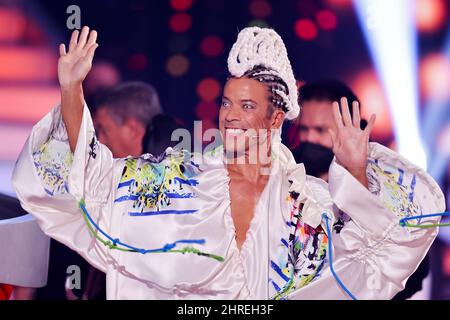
(262, 46)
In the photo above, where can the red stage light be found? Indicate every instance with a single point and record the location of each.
(211, 46)
(177, 65)
(27, 64)
(326, 19)
(260, 8)
(306, 8)
(340, 3)
(373, 100)
(208, 89)
(137, 62)
(435, 76)
(430, 14)
(207, 110)
(206, 125)
(12, 25)
(300, 83)
(180, 22)
(27, 103)
(305, 29)
(5, 291)
(180, 4)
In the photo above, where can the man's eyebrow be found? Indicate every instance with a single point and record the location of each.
(225, 97)
(248, 100)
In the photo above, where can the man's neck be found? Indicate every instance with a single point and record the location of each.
(243, 169)
(248, 172)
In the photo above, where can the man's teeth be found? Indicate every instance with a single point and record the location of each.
(235, 131)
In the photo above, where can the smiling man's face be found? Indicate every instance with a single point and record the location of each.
(245, 114)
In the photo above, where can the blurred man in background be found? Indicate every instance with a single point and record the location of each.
(311, 129)
(122, 115)
(312, 145)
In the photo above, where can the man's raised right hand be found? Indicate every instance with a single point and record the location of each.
(74, 65)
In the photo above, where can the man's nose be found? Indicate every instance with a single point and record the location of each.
(232, 115)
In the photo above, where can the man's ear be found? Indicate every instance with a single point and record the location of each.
(277, 119)
(136, 128)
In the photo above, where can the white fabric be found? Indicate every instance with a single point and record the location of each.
(373, 254)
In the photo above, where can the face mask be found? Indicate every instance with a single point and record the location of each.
(316, 158)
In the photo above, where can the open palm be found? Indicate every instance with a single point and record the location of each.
(350, 143)
(74, 65)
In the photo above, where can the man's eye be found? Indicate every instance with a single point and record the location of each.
(248, 106)
(225, 104)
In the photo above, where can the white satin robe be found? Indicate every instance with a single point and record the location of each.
(285, 256)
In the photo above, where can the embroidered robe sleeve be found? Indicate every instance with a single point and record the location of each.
(50, 180)
(373, 254)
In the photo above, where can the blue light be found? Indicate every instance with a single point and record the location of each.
(391, 36)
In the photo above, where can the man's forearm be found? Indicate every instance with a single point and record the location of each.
(72, 103)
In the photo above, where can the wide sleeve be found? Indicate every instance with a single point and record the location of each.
(373, 254)
(50, 181)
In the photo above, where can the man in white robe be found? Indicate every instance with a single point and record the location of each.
(187, 226)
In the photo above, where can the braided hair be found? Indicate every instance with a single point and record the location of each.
(274, 83)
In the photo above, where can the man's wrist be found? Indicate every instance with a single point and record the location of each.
(71, 87)
(360, 175)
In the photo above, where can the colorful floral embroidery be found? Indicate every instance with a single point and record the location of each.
(151, 183)
(307, 251)
(53, 161)
(394, 187)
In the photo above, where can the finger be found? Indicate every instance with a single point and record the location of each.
(62, 49)
(370, 124)
(83, 37)
(356, 115)
(345, 112)
(91, 52)
(73, 40)
(92, 38)
(333, 136)
(337, 115)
